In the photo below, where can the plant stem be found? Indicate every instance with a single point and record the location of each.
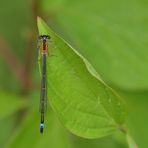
(130, 140)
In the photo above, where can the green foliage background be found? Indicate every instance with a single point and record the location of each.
(112, 35)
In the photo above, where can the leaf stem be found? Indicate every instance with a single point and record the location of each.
(131, 142)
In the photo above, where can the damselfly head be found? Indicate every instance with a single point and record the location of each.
(44, 37)
(43, 43)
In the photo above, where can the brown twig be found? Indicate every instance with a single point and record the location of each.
(11, 59)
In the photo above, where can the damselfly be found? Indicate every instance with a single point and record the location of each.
(43, 39)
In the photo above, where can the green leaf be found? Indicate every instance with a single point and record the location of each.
(131, 142)
(113, 35)
(55, 136)
(10, 104)
(81, 100)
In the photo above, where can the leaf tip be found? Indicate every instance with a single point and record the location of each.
(39, 19)
(41, 26)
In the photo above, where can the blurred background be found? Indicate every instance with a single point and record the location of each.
(111, 34)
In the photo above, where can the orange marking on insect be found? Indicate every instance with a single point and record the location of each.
(45, 47)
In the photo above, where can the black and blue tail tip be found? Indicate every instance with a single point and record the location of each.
(41, 128)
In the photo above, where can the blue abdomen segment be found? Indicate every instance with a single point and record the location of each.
(41, 127)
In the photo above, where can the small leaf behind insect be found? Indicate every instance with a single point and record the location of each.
(82, 101)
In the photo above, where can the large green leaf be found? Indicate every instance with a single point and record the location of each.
(82, 101)
(55, 136)
(113, 35)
